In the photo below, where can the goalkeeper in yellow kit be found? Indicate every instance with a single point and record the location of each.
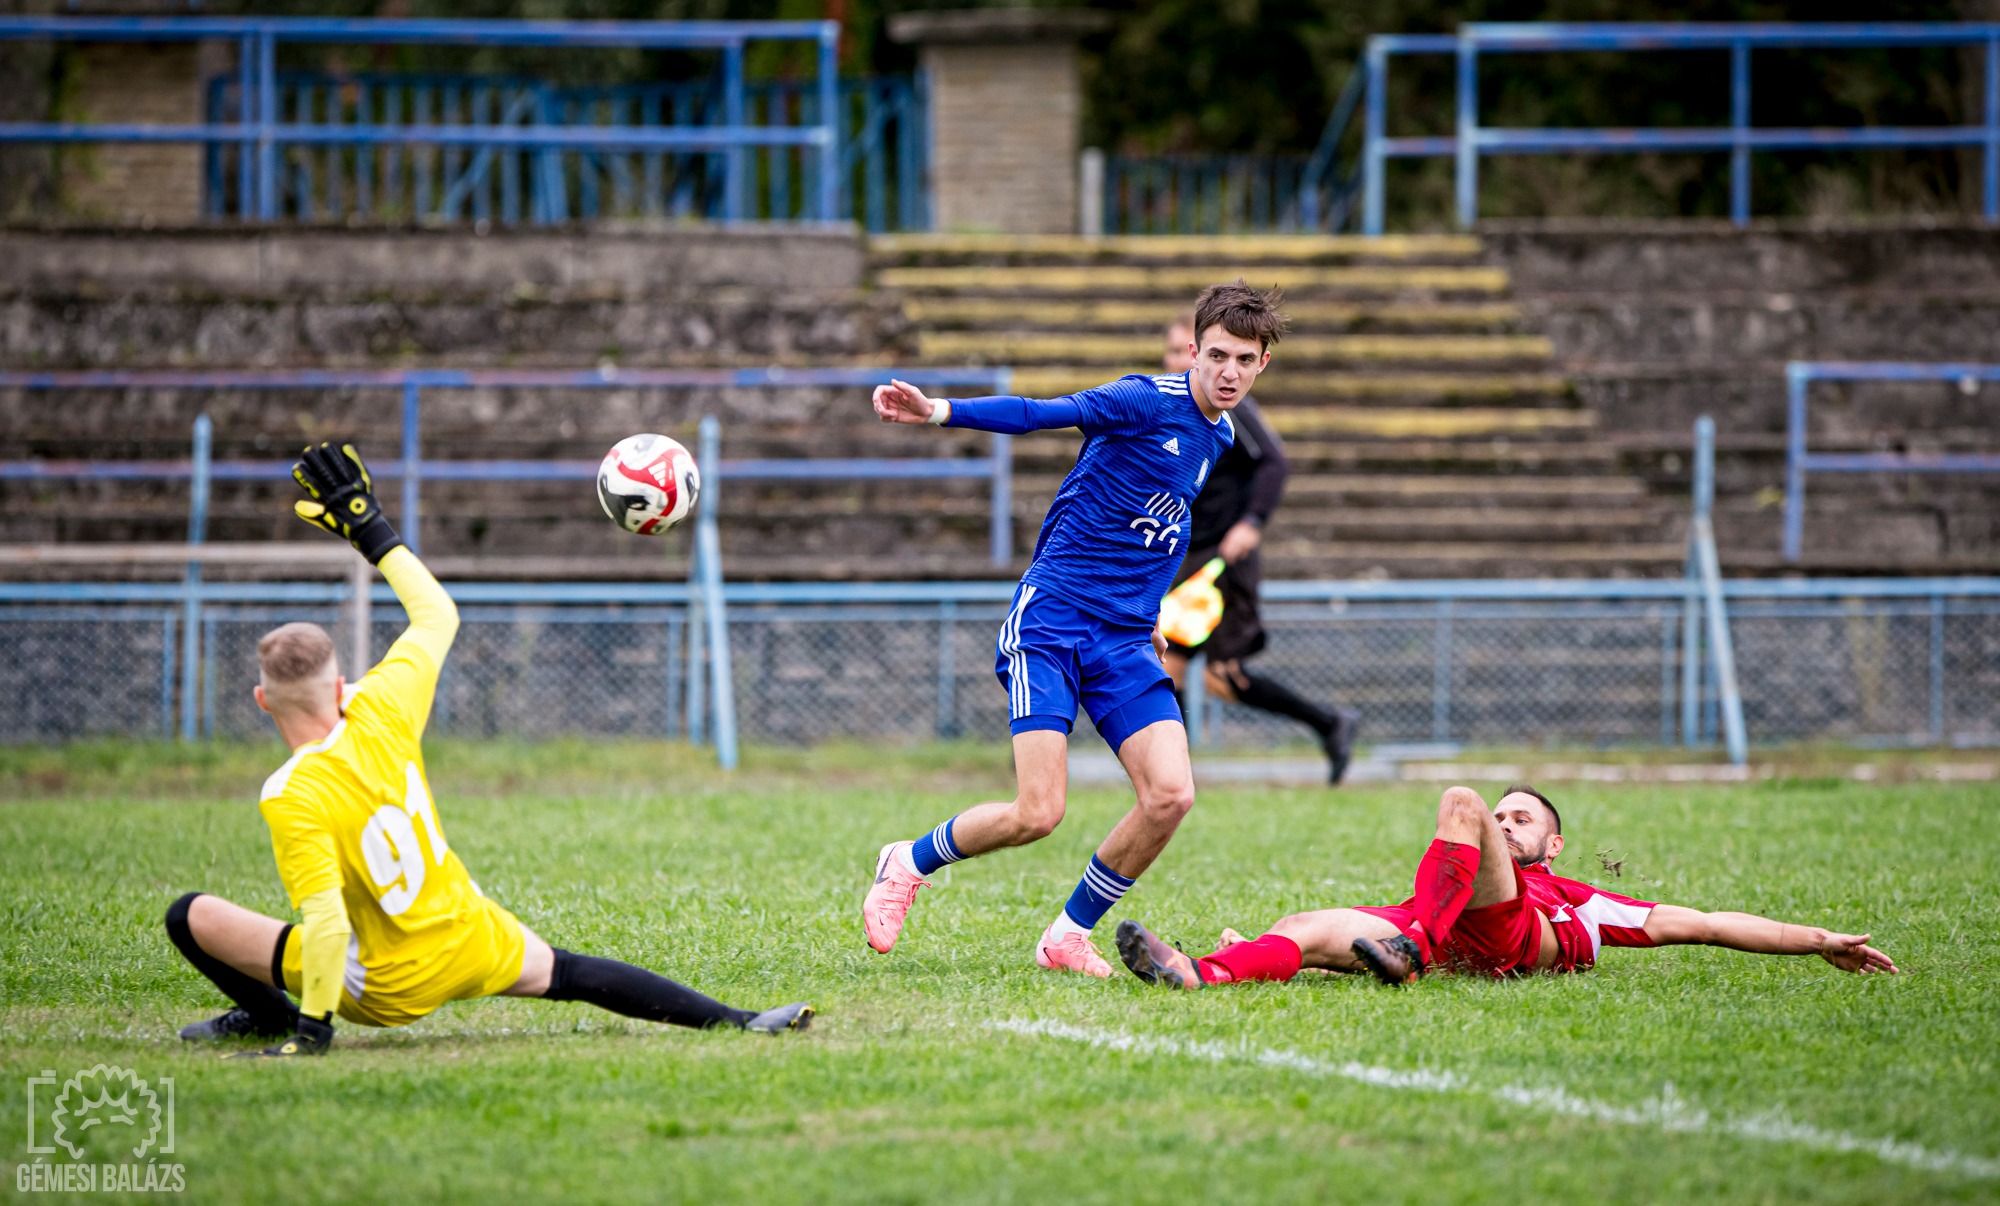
(393, 926)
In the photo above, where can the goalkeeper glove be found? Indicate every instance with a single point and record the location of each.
(314, 1037)
(343, 500)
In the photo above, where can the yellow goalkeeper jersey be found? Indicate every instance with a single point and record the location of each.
(353, 811)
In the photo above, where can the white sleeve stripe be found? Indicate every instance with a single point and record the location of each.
(1600, 911)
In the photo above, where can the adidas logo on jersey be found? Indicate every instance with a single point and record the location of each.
(1173, 445)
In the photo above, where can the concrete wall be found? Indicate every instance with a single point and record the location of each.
(1656, 324)
(219, 298)
(72, 298)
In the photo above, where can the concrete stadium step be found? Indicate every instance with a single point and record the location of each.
(1284, 383)
(1037, 347)
(1069, 315)
(1179, 285)
(1316, 454)
(1386, 489)
(936, 249)
(1464, 524)
(1475, 559)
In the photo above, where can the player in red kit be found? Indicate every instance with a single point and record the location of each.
(1487, 903)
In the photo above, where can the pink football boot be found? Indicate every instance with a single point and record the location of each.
(1070, 952)
(890, 896)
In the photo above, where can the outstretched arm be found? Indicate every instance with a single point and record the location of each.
(900, 402)
(342, 500)
(1674, 925)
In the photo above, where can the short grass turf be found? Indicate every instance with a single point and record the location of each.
(911, 1087)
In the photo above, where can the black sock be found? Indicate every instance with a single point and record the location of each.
(271, 1010)
(1266, 695)
(636, 993)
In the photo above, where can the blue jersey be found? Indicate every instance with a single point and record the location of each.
(1119, 526)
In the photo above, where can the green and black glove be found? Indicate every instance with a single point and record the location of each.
(314, 1037)
(342, 500)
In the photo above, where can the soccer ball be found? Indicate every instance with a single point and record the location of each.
(648, 483)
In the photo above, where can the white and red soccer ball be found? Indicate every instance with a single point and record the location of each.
(648, 483)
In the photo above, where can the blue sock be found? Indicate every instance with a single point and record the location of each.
(934, 849)
(1096, 892)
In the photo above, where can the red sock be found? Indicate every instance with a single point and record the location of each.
(1444, 885)
(1272, 957)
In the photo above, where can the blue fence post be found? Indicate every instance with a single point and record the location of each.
(1374, 116)
(734, 181)
(1992, 165)
(411, 520)
(1690, 651)
(246, 147)
(1937, 670)
(1194, 690)
(167, 675)
(1468, 132)
(204, 433)
(830, 114)
(1000, 524)
(1721, 648)
(1796, 379)
(723, 688)
(947, 680)
(1441, 672)
(267, 121)
(1739, 124)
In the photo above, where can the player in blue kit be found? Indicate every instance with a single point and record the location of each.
(1083, 625)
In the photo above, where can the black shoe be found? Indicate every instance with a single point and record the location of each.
(781, 1019)
(236, 1024)
(1393, 960)
(1338, 741)
(1153, 960)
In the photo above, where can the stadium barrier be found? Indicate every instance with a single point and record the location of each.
(1571, 663)
(1799, 376)
(705, 589)
(1469, 140)
(883, 152)
(259, 130)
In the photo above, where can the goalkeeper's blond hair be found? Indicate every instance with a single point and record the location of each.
(297, 666)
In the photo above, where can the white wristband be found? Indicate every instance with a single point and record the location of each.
(940, 412)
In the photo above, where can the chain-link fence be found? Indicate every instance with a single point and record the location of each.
(1914, 666)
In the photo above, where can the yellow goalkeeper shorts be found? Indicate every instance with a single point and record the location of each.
(480, 958)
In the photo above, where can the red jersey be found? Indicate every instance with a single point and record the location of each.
(1585, 918)
(1504, 939)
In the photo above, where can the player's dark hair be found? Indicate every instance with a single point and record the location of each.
(1242, 311)
(1528, 790)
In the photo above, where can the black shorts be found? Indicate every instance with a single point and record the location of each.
(1241, 632)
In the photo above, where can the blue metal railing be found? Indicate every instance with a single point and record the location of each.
(1239, 194)
(1425, 655)
(411, 469)
(1469, 140)
(259, 128)
(1800, 374)
(882, 152)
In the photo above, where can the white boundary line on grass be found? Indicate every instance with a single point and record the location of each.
(1667, 1112)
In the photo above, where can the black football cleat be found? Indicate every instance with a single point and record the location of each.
(1339, 742)
(798, 1016)
(1153, 961)
(1393, 960)
(236, 1024)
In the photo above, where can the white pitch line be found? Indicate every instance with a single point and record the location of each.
(1667, 1112)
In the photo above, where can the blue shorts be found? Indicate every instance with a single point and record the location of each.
(1051, 655)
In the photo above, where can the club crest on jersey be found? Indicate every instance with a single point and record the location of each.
(1162, 522)
(1201, 476)
(1173, 445)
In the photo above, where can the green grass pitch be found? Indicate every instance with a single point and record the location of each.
(955, 1070)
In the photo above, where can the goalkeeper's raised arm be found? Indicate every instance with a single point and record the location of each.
(341, 499)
